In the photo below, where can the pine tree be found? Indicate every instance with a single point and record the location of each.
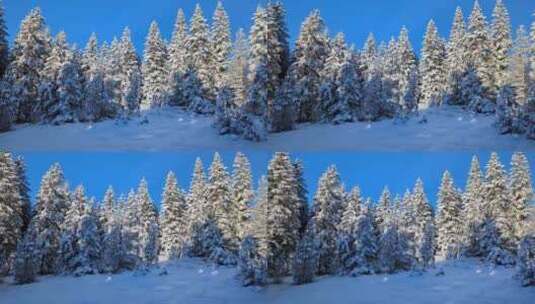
(455, 64)
(70, 91)
(173, 220)
(305, 261)
(302, 194)
(197, 207)
(113, 243)
(526, 261)
(130, 74)
(199, 52)
(501, 41)
(432, 68)
(521, 194)
(282, 217)
(155, 75)
(221, 44)
(369, 55)
(252, 265)
(30, 50)
(70, 230)
(449, 221)
(11, 211)
(4, 46)
(224, 208)
(383, 209)
(147, 225)
(407, 73)
(242, 193)
(50, 209)
(24, 192)
(178, 57)
(237, 74)
(472, 208)
(519, 78)
(309, 56)
(327, 211)
(392, 247)
(25, 268)
(478, 54)
(347, 231)
(95, 100)
(421, 228)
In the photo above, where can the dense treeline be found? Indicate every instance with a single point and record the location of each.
(255, 85)
(269, 232)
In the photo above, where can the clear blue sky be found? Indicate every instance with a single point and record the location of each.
(370, 170)
(354, 17)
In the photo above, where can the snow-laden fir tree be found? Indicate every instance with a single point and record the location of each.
(505, 103)
(521, 194)
(529, 108)
(147, 225)
(472, 210)
(432, 68)
(197, 207)
(24, 192)
(449, 220)
(347, 231)
(70, 91)
(155, 75)
(282, 215)
(330, 80)
(110, 58)
(106, 209)
(221, 44)
(501, 42)
(368, 56)
(305, 260)
(455, 64)
(252, 265)
(50, 209)
(25, 268)
(237, 74)
(173, 220)
(326, 213)
(311, 50)
(191, 92)
(519, 77)
(69, 231)
(177, 58)
(11, 211)
(497, 211)
(200, 52)
(302, 194)
(113, 243)
(224, 208)
(383, 209)
(242, 193)
(392, 253)
(526, 261)
(366, 243)
(96, 104)
(478, 54)
(129, 74)
(90, 58)
(30, 50)
(407, 73)
(420, 228)
(4, 46)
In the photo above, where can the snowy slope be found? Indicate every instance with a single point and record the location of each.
(192, 281)
(172, 129)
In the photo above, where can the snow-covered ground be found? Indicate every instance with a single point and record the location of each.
(172, 129)
(194, 282)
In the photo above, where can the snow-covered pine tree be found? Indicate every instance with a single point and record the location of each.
(311, 50)
(45, 231)
(449, 220)
(110, 61)
(302, 194)
(69, 232)
(501, 42)
(24, 267)
(505, 103)
(305, 260)
(282, 215)
(472, 208)
(129, 74)
(366, 243)
(521, 194)
(224, 208)
(421, 229)
(432, 68)
(177, 58)
(347, 231)
(237, 74)
(90, 57)
(107, 208)
(154, 68)
(148, 225)
(29, 53)
(197, 207)
(392, 253)
(242, 193)
(368, 56)
(252, 265)
(497, 211)
(407, 74)
(113, 243)
(199, 52)
(350, 91)
(478, 55)
(11, 211)
(330, 81)
(96, 102)
(383, 209)
(526, 261)
(519, 78)
(327, 211)
(70, 91)
(173, 220)
(4, 46)
(529, 109)
(455, 63)
(221, 44)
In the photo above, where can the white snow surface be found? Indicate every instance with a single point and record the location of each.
(171, 129)
(193, 281)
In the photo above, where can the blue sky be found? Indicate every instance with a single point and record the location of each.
(370, 170)
(354, 17)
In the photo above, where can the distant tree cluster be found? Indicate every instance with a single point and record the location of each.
(256, 84)
(269, 232)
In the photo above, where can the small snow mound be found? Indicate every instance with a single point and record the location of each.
(200, 271)
(368, 126)
(460, 118)
(180, 119)
(89, 127)
(473, 120)
(108, 279)
(479, 270)
(214, 273)
(492, 272)
(385, 279)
